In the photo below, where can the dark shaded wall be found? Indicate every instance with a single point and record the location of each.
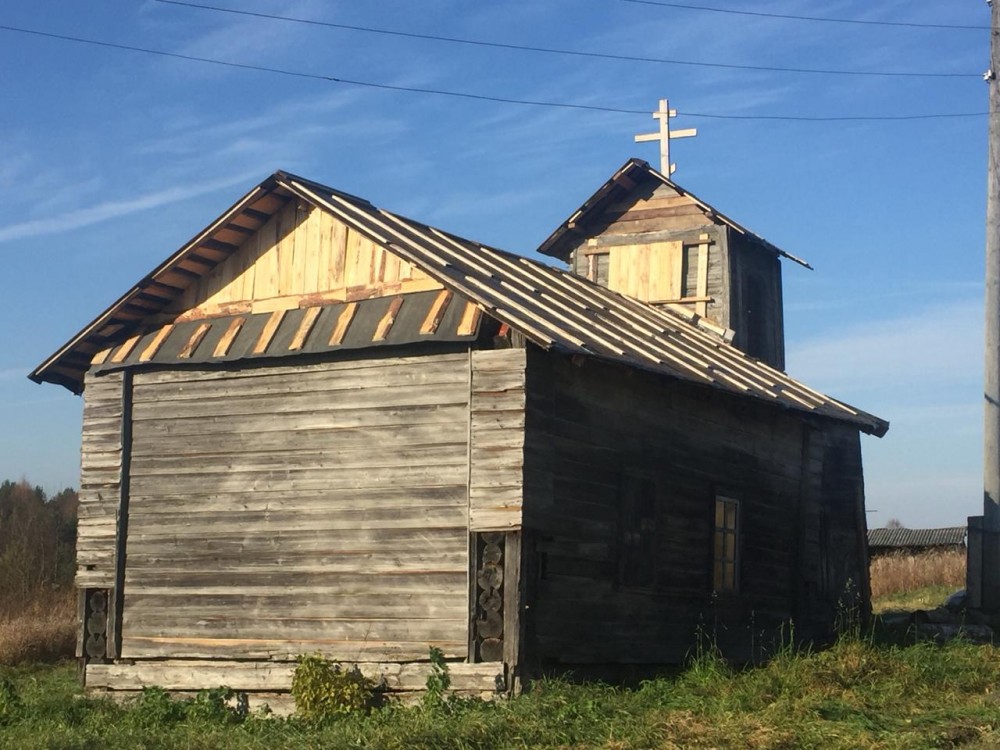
(755, 309)
(622, 469)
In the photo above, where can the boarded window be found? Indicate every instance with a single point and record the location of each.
(637, 531)
(651, 273)
(727, 512)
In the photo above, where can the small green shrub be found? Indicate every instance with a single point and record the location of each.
(438, 681)
(154, 707)
(212, 706)
(322, 689)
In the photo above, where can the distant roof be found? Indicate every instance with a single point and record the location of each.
(622, 182)
(904, 538)
(554, 309)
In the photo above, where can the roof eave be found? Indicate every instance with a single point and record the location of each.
(44, 372)
(555, 244)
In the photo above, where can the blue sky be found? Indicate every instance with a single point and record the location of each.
(111, 159)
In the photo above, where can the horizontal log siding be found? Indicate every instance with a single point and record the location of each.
(100, 481)
(833, 543)
(497, 439)
(288, 510)
(588, 425)
(756, 301)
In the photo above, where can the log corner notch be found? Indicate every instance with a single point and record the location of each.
(497, 600)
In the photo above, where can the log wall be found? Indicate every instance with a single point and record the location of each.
(496, 439)
(100, 481)
(622, 473)
(288, 510)
(756, 310)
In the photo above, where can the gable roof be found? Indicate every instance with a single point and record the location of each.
(554, 309)
(635, 171)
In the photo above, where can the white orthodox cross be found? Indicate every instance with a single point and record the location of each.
(664, 136)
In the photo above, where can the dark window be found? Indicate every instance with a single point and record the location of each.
(637, 531)
(726, 541)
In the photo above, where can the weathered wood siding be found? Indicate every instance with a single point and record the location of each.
(756, 313)
(288, 510)
(648, 247)
(595, 433)
(300, 252)
(264, 682)
(100, 481)
(832, 545)
(497, 439)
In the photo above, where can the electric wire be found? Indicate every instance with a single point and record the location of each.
(826, 19)
(566, 52)
(473, 96)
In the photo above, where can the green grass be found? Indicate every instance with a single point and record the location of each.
(925, 597)
(855, 695)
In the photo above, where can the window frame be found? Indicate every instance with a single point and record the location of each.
(724, 563)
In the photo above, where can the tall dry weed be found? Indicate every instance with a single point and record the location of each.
(43, 631)
(37, 600)
(898, 573)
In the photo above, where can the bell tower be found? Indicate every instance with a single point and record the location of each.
(643, 235)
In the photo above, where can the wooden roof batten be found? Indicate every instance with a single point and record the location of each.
(554, 309)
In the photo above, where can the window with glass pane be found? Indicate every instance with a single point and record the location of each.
(726, 531)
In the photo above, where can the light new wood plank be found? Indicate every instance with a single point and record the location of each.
(343, 322)
(385, 323)
(267, 335)
(305, 328)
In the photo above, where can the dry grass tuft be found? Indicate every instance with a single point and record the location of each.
(44, 631)
(895, 574)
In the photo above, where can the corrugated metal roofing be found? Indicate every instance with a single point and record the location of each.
(906, 538)
(554, 309)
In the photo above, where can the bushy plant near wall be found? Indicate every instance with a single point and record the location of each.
(323, 689)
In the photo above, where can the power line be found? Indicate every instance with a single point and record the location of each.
(466, 95)
(826, 19)
(567, 52)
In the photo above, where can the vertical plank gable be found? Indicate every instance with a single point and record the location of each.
(301, 252)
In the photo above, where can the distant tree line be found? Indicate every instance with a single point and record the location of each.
(37, 541)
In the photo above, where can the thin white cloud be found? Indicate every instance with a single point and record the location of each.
(939, 344)
(84, 217)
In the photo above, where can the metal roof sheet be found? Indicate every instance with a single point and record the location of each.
(905, 538)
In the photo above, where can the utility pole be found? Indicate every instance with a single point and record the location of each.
(985, 592)
(664, 136)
